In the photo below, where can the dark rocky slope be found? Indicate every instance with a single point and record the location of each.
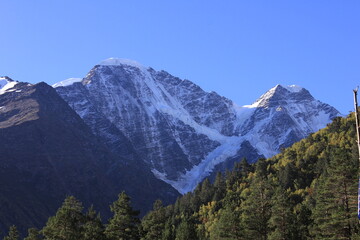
(47, 152)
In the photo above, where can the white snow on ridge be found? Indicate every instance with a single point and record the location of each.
(3, 82)
(164, 102)
(4, 87)
(263, 98)
(293, 88)
(121, 61)
(67, 82)
(253, 123)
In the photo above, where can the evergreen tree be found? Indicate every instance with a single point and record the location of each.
(287, 176)
(244, 167)
(219, 187)
(336, 199)
(124, 225)
(256, 208)
(303, 221)
(13, 233)
(206, 192)
(282, 219)
(153, 224)
(186, 229)
(68, 222)
(169, 231)
(33, 234)
(93, 227)
(228, 226)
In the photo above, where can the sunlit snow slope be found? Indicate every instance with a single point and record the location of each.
(182, 132)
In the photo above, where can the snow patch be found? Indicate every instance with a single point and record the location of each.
(188, 181)
(293, 88)
(263, 99)
(3, 82)
(7, 87)
(67, 82)
(121, 61)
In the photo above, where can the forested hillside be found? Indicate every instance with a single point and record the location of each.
(308, 191)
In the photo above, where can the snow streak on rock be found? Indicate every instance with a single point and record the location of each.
(182, 132)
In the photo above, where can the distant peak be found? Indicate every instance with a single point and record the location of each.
(6, 83)
(6, 78)
(67, 82)
(120, 61)
(278, 92)
(291, 88)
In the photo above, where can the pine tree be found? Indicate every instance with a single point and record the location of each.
(124, 225)
(169, 231)
(282, 219)
(256, 209)
(336, 199)
(153, 224)
(33, 234)
(206, 191)
(93, 227)
(68, 222)
(186, 229)
(228, 226)
(219, 187)
(13, 233)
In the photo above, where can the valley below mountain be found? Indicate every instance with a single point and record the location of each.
(126, 127)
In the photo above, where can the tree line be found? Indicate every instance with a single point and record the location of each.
(308, 191)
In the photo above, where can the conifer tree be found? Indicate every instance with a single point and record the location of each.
(336, 199)
(33, 234)
(219, 187)
(282, 219)
(93, 227)
(206, 191)
(68, 222)
(186, 229)
(256, 208)
(228, 226)
(169, 231)
(124, 225)
(13, 233)
(153, 224)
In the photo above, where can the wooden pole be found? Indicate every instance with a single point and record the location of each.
(358, 143)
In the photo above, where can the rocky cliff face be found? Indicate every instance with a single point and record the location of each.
(47, 152)
(181, 132)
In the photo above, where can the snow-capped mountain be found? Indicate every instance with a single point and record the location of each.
(182, 132)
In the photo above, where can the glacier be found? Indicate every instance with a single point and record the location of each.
(182, 132)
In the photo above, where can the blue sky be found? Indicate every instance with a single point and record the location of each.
(239, 48)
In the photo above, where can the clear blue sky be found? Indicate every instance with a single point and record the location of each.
(238, 48)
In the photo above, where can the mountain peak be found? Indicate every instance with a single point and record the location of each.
(6, 78)
(6, 83)
(282, 92)
(291, 88)
(67, 82)
(121, 62)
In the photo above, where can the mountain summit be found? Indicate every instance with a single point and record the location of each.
(181, 132)
(280, 93)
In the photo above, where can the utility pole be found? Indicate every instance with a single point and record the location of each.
(358, 143)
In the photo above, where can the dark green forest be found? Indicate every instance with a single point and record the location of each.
(308, 191)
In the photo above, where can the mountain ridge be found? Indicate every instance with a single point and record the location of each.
(182, 132)
(48, 152)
